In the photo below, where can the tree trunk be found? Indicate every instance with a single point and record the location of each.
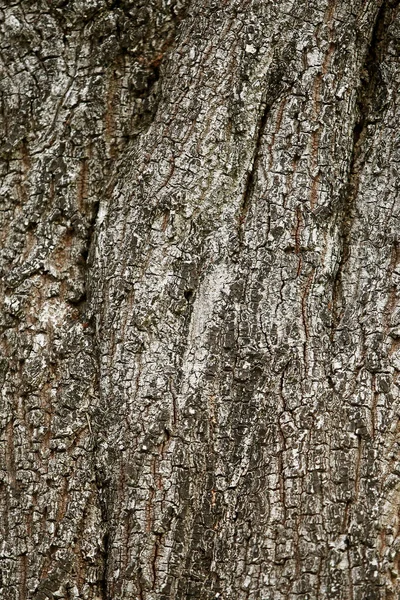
(200, 328)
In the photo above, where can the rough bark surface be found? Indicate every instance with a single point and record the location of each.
(200, 262)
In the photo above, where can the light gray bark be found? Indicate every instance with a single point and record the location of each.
(200, 328)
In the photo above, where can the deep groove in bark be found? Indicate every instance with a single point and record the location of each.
(250, 180)
(365, 100)
(103, 582)
(91, 231)
(274, 88)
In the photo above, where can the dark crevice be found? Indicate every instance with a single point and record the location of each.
(86, 252)
(369, 95)
(80, 299)
(144, 90)
(250, 181)
(103, 581)
(276, 84)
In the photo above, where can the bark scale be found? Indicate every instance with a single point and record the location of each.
(200, 265)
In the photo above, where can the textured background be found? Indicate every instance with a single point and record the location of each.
(200, 346)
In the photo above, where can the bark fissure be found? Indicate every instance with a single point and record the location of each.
(103, 581)
(252, 172)
(366, 97)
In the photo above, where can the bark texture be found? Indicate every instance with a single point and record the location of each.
(200, 258)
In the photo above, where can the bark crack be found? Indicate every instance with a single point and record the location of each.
(251, 175)
(370, 77)
(91, 232)
(103, 581)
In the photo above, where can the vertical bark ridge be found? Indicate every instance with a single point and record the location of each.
(369, 75)
(369, 385)
(78, 82)
(256, 330)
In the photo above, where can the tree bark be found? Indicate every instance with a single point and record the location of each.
(201, 324)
